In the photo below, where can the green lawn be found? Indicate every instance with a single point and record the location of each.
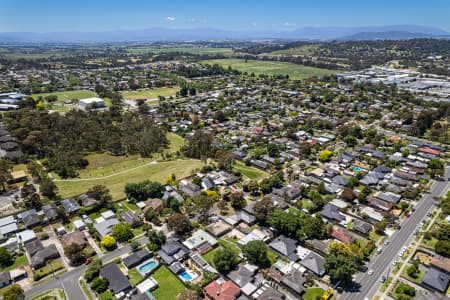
(169, 286)
(69, 95)
(116, 183)
(135, 276)
(18, 261)
(313, 293)
(294, 71)
(49, 268)
(249, 172)
(209, 257)
(151, 93)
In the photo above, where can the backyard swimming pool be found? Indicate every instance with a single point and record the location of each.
(188, 275)
(147, 267)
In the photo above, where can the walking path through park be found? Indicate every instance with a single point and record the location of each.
(111, 175)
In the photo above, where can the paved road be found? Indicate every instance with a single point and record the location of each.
(69, 281)
(381, 264)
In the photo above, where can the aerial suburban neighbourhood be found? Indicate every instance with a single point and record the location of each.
(225, 165)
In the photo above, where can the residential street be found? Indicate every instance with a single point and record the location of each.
(381, 264)
(69, 281)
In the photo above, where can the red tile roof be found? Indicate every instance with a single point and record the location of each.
(341, 234)
(429, 151)
(221, 290)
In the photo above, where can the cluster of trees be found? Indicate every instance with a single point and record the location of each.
(341, 263)
(65, 139)
(200, 145)
(404, 291)
(295, 224)
(144, 190)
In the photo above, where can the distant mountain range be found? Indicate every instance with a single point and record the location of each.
(208, 34)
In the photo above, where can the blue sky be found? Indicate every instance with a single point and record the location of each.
(99, 15)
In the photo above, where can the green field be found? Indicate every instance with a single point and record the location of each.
(185, 49)
(294, 71)
(69, 95)
(249, 172)
(116, 182)
(151, 93)
(301, 50)
(169, 286)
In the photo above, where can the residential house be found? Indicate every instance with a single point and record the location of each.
(104, 226)
(294, 281)
(436, 280)
(70, 205)
(136, 258)
(218, 228)
(314, 263)
(50, 212)
(74, 238)
(285, 246)
(87, 201)
(201, 241)
(361, 226)
(117, 281)
(238, 217)
(332, 212)
(154, 203)
(243, 275)
(221, 289)
(173, 251)
(130, 217)
(341, 234)
(441, 263)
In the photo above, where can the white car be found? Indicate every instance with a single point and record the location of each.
(401, 254)
(370, 272)
(394, 262)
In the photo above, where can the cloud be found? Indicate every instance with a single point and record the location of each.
(170, 19)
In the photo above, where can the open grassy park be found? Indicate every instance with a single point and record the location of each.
(151, 93)
(68, 95)
(116, 171)
(116, 182)
(294, 71)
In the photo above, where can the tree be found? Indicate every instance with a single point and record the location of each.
(152, 215)
(14, 292)
(179, 223)
(262, 209)
(200, 145)
(156, 240)
(93, 270)
(75, 253)
(340, 268)
(380, 226)
(256, 253)
(225, 260)
(135, 246)
(202, 204)
(99, 285)
(237, 200)
(48, 188)
(273, 150)
(5, 257)
(442, 247)
(413, 271)
(325, 155)
(122, 232)
(100, 193)
(141, 191)
(304, 149)
(5, 172)
(224, 160)
(108, 242)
